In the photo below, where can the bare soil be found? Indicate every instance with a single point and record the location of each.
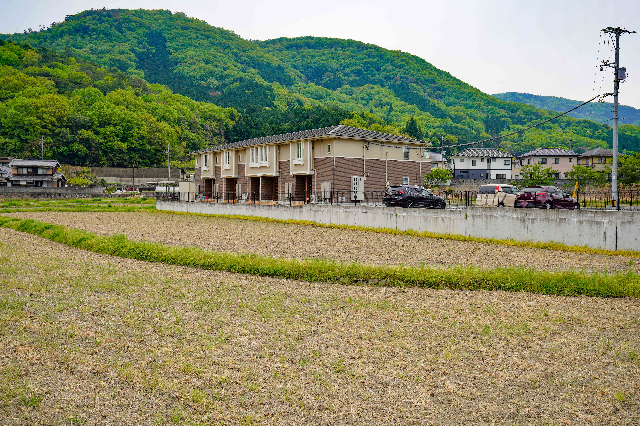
(303, 241)
(91, 339)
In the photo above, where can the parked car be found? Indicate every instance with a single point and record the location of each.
(547, 197)
(412, 196)
(500, 195)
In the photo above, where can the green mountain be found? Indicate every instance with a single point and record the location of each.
(284, 85)
(88, 115)
(601, 112)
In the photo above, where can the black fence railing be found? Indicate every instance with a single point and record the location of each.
(627, 199)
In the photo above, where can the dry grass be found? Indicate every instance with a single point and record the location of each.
(281, 240)
(90, 339)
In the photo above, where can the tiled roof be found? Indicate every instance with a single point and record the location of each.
(549, 152)
(34, 163)
(57, 176)
(598, 152)
(341, 131)
(483, 152)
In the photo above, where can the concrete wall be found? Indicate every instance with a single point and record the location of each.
(611, 230)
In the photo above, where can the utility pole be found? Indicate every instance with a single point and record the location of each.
(619, 75)
(168, 162)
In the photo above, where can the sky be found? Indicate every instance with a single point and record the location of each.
(543, 47)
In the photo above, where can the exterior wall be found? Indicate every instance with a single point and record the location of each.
(598, 163)
(483, 169)
(198, 179)
(565, 164)
(611, 230)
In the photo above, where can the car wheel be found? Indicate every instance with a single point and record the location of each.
(576, 207)
(548, 205)
(407, 203)
(441, 205)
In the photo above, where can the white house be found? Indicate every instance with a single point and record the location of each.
(481, 163)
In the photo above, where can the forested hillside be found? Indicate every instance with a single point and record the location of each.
(88, 115)
(599, 112)
(284, 85)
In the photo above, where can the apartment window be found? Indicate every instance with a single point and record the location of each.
(252, 155)
(462, 160)
(227, 158)
(542, 161)
(216, 158)
(482, 160)
(493, 159)
(405, 152)
(405, 180)
(507, 162)
(42, 171)
(298, 150)
(556, 161)
(501, 176)
(329, 149)
(473, 162)
(239, 158)
(206, 160)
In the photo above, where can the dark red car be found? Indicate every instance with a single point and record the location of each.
(546, 197)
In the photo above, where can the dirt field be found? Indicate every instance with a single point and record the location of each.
(91, 339)
(301, 241)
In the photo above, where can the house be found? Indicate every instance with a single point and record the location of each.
(337, 161)
(596, 158)
(42, 173)
(438, 161)
(559, 160)
(481, 163)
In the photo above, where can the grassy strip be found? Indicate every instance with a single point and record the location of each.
(570, 283)
(506, 242)
(78, 205)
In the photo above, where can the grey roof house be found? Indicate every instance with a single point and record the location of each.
(42, 173)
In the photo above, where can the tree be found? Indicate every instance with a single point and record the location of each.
(586, 175)
(535, 174)
(412, 129)
(437, 177)
(629, 169)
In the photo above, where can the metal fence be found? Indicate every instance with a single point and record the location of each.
(628, 199)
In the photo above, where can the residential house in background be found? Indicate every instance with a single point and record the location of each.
(40, 173)
(298, 165)
(437, 160)
(596, 158)
(481, 163)
(560, 160)
(5, 170)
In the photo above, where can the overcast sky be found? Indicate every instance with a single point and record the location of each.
(542, 47)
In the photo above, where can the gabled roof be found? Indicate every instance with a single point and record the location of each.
(33, 163)
(57, 176)
(598, 152)
(483, 152)
(340, 131)
(549, 152)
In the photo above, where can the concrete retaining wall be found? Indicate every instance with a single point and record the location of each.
(611, 230)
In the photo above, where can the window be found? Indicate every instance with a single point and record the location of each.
(405, 152)
(542, 161)
(602, 160)
(227, 158)
(473, 162)
(206, 160)
(462, 160)
(239, 158)
(298, 150)
(570, 160)
(528, 160)
(507, 163)
(556, 161)
(329, 149)
(196, 161)
(502, 176)
(252, 153)
(216, 158)
(42, 171)
(405, 180)
(482, 160)
(493, 159)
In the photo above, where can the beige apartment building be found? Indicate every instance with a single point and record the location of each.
(320, 163)
(560, 160)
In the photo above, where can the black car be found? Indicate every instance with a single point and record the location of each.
(412, 196)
